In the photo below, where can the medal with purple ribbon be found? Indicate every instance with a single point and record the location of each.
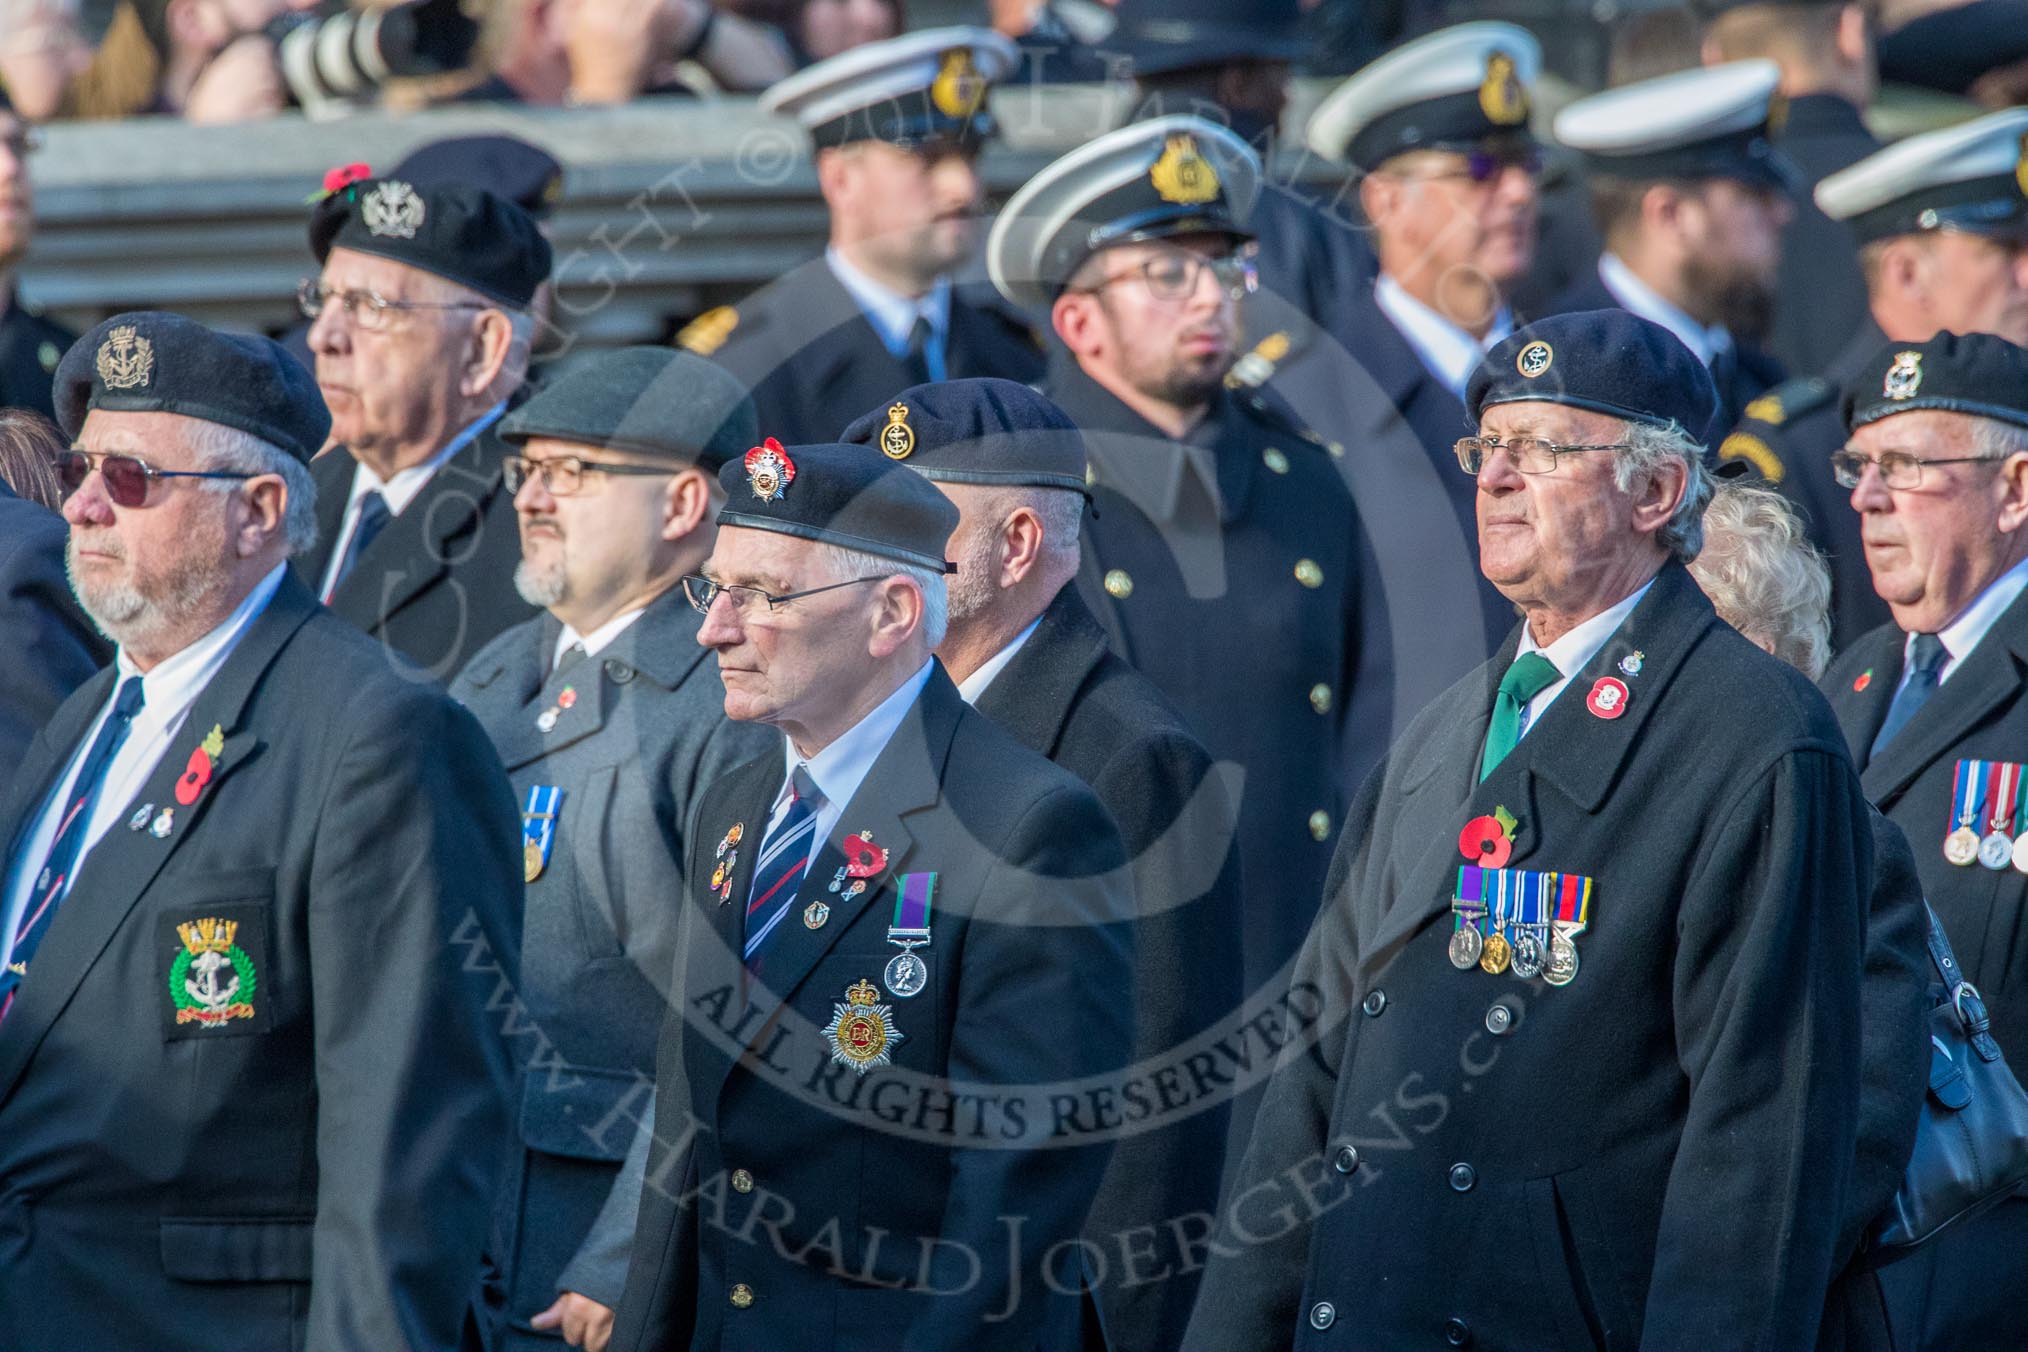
(1468, 908)
(907, 974)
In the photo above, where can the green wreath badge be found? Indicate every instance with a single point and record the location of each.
(212, 980)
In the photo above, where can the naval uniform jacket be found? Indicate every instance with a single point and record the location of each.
(644, 731)
(1820, 295)
(813, 361)
(319, 1170)
(1066, 695)
(1788, 436)
(1655, 1155)
(437, 584)
(794, 1204)
(1240, 599)
(51, 647)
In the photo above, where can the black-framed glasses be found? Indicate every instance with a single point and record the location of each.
(702, 591)
(1172, 274)
(1898, 469)
(366, 310)
(125, 476)
(564, 474)
(1531, 455)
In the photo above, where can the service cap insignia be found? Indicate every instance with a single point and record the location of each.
(1182, 175)
(126, 360)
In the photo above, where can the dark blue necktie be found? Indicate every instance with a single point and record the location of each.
(60, 864)
(373, 515)
(784, 856)
(1926, 658)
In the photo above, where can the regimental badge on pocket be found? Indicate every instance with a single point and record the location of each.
(214, 960)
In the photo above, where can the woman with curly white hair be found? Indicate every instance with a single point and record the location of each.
(1763, 575)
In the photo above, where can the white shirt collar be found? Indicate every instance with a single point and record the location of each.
(975, 684)
(840, 767)
(598, 638)
(174, 684)
(891, 313)
(1962, 635)
(400, 489)
(1574, 651)
(1447, 351)
(1640, 298)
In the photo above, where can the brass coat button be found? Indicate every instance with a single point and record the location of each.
(1320, 698)
(1118, 585)
(742, 1181)
(1309, 574)
(742, 1296)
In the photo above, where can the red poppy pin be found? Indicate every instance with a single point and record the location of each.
(1608, 697)
(1865, 679)
(339, 179)
(1488, 841)
(863, 858)
(769, 470)
(198, 771)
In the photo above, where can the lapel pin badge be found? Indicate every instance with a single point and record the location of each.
(1608, 698)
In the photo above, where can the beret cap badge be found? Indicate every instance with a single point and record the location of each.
(1181, 174)
(126, 361)
(1904, 376)
(897, 439)
(392, 209)
(769, 471)
(1502, 97)
(1534, 359)
(959, 89)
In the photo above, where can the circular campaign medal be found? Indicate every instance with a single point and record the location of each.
(1527, 956)
(1996, 851)
(906, 974)
(1961, 846)
(1497, 952)
(1466, 945)
(1562, 964)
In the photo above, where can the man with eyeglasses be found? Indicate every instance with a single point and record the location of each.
(1220, 527)
(1438, 130)
(30, 345)
(421, 339)
(1932, 705)
(1941, 219)
(897, 128)
(1691, 195)
(901, 950)
(259, 890)
(610, 720)
(1589, 1064)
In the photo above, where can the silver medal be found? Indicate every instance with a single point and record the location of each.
(1961, 846)
(1996, 851)
(906, 974)
(1562, 963)
(140, 818)
(1528, 955)
(1466, 945)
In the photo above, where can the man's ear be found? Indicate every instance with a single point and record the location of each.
(686, 504)
(2013, 491)
(492, 340)
(898, 614)
(266, 508)
(1659, 494)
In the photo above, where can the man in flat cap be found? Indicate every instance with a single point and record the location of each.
(897, 128)
(1221, 526)
(902, 950)
(1932, 705)
(246, 1081)
(421, 339)
(30, 345)
(610, 720)
(1829, 78)
(1941, 221)
(1691, 196)
(1438, 130)
(1025, 650)
(1583, 917)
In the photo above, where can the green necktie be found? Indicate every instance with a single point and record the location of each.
(1531, 674)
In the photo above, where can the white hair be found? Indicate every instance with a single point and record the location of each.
(1996, 439)
(1764, 577)
(1647, 447)
(220, 447)
(843, 564)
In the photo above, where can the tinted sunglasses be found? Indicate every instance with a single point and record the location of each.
(125, 476)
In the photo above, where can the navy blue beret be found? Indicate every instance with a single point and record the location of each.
(1604, 361)
(654, 401)
(1975, 373)
(851, 496)
(524, 174)
(978, 431)
(453, 230)
(153, 362)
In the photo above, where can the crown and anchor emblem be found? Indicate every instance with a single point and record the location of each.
(959, 89)
(897, 439)
(126, 360)
(1182, 175)
(212, 980)
(1502, 98)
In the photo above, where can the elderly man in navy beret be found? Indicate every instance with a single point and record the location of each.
(248, 1079)
(1933, 707)
(423, 327)
(902, 957)
(1591, 1067)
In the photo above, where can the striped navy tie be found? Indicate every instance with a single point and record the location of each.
(784, 858)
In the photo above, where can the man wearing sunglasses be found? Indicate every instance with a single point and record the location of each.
(30, 345)
(1220, 525)
(1590, 1062)
(259, 889)
(1438, 130)
(1941, 220)
(897, 128)
(611, 721)
(1932, 705)
(421, 336)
